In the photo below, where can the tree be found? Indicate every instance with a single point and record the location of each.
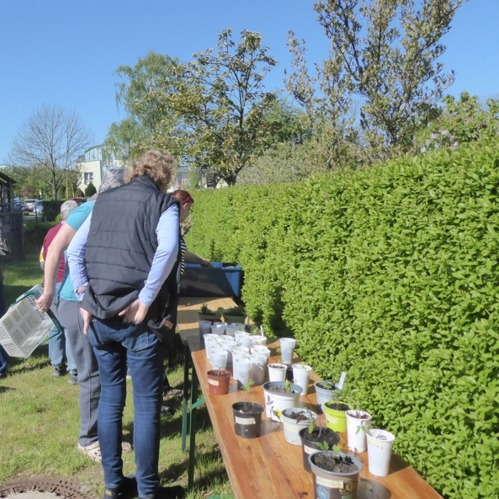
(25, 185)
(460, 121)
(90, 190)
(150, 123)
(49, 143)
(384, 54)
(221, 104)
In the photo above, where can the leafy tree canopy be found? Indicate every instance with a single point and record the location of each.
(383, 70)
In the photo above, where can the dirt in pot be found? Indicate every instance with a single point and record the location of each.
(337, 406)
(334, 463)
(220, 373)
(319, 434)
(299, 416)
(359, 414)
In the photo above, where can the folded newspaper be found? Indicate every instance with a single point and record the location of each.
(23, 327)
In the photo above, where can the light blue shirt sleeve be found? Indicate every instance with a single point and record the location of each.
(167, 232)
(76, 257)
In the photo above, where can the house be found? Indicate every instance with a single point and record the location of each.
(95, 162)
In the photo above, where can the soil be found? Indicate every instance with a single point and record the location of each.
(359, 415)
(299, 416)
(280, 389)
(321, 435)
(219, 373)
(326, 385)
(338, 406)
(335, 463)
(278, 366)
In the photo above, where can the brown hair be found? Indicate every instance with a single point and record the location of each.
(182, 196)
(158, 165)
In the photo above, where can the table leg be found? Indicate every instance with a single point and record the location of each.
(185, 401)
(192, 429)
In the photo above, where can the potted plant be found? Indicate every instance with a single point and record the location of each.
(234, 315)
(335, 474)
(358, 423)
(247, 417)
(335, 415)
(280, 395)
(315, 438)
(293, 420)
(325, 391)
(219, 381)
(206, 314)
(277, 371)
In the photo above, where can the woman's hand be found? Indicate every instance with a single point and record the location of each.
(87, 319)
(135, 313)
(44, 301)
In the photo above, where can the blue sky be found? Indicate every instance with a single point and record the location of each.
(65, 52)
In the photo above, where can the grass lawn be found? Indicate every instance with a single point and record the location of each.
(39, 421)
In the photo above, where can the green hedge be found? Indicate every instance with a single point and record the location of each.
(392, 275)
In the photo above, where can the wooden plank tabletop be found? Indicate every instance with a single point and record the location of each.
(269, 466)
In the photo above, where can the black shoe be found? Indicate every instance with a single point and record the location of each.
(126, 490)
(59, 370)
(3, 374)
(176, 492)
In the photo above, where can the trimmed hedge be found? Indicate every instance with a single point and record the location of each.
(392, 275)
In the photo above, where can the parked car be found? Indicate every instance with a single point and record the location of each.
(30, 204)
(39, 207)
(18, 206)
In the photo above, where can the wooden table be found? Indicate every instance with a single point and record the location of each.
(268, 466)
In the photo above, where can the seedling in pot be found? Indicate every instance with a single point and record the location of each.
(247, 388)
(322, 444)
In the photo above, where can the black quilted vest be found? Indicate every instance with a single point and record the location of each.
(120, 249)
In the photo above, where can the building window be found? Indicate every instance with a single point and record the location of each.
(88, 178)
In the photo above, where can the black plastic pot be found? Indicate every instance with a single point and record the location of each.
(247, 419)
(311, 441)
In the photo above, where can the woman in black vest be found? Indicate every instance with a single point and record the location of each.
(131, 259)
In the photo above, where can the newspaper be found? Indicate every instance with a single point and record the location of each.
(23, 327)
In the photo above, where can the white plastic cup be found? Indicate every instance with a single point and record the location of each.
(301, 375)
(287, 350)
(242, 369)
(218, 328)
(204, 327)
(230, 329)
(258, 339)
(210, 340)
(261, 350)
(240, 335)
(356, 430)
(277, 371)
(379, 451)
(258, 368)
(218, 358)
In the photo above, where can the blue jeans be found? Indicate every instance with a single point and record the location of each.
(116, 346)
(3, 360)
(59, 348)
